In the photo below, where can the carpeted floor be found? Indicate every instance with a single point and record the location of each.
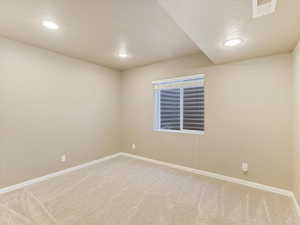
(126, 191)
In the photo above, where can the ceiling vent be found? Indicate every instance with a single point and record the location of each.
(263, 7)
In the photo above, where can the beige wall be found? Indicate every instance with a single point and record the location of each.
(296, 116)
(248, 107)
(50, 105)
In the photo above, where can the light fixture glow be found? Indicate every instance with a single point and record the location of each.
(50, 25)
(123, 55)
(233, 42)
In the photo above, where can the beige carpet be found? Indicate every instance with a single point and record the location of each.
(125, 191)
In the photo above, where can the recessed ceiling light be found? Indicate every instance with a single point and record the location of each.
(233, 42)
(123, 55)
(50, 25)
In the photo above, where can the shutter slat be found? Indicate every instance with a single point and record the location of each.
(166, 111)
(171, 122)
(193, 106)
(194, 99)
(193, 115)
(193, 110)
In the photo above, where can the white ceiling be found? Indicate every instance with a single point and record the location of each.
(95, 30)
(210, 22)
(151, 30)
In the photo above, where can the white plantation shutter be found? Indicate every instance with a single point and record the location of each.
(170, 109)
(193, 108)
(179, 104)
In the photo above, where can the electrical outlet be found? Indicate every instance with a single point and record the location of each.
(63, 158)
(133, 146)
(245, 167)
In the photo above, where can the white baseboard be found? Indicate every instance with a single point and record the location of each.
(195, 171)
(59, 173)
(296, 203)
(216, 176)
(263, 187)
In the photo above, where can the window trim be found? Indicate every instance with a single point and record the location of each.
(156, 121)
(180, 131)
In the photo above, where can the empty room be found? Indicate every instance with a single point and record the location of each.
(150, 112)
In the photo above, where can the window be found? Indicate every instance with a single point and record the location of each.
(179, 104)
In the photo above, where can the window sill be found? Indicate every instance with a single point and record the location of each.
(181, 131)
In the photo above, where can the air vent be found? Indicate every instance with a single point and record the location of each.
(263, 7)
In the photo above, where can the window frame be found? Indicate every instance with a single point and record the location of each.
(156, 125)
